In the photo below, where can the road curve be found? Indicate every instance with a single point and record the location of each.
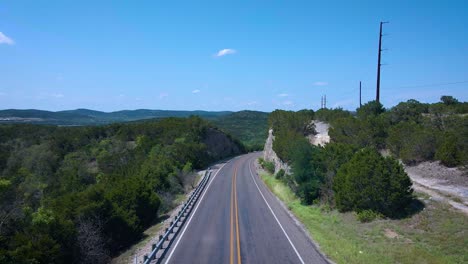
(238, 220)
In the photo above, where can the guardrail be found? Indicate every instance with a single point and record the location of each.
(175, 227)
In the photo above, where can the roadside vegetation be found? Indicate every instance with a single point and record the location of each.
(348, 194)
(349, 173)
(436, 234)
(83, 194)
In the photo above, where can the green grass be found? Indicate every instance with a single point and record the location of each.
(435, 235)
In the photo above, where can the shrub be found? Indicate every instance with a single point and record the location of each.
(269, 166)
(412, 142)
(448, 152)
(365, 216)
(371, 182)
(261, 161)
(280, 174)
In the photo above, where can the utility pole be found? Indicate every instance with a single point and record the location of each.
(360, 104)
(377, 96)
(321, 102)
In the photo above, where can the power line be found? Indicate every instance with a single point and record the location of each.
(432, 85)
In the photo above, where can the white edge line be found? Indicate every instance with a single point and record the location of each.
(276, 218)
(194, 211)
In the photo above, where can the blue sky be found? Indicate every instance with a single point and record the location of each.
(113, 55)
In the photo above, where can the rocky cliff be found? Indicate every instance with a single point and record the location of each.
(220, 145)
(270, 155)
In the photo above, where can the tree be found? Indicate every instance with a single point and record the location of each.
(449, 152)
(412, 142)
(448, 100)
(370, 182)
(372, 108)
(410, 110)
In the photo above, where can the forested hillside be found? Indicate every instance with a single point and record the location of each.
(81, 194)
(80, 117)
(251, 127)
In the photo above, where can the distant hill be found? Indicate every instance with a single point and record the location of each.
(92, 117)
(251, 127)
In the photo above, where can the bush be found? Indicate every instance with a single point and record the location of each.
(269, 166)
(371, 182)
(280, 174)
(365, 216)
(448, 152)
(412, 142)
(261, 161)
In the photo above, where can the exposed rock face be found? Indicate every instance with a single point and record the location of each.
(321, 138)
(270, 155)
(219, 145)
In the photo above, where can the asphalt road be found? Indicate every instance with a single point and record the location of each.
(238, 220)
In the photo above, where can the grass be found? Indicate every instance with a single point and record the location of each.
(437, 234)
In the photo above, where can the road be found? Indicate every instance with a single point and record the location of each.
(238, 220)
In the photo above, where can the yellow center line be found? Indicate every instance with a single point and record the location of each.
(237, 219)
(231, 224)
(236, 216)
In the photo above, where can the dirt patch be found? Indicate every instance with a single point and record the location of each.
(434, 171)
(441, 183)
(390, 233)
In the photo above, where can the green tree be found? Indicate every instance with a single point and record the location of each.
(410, 110)
(448, 100)
(370, 182)
(449, 152)
(372, 108)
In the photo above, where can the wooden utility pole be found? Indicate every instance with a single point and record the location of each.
(377, 96)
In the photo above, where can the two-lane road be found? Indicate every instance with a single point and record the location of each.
(238, 220)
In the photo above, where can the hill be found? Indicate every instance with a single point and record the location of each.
(81, 117)
(251, 127)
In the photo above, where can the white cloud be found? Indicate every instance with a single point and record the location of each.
(288, 102)
(6, 40)
(224, 52)
(283, 95)
(252, 103)
(57, 95)
(196, 91)
(320, 83)
(163, 95)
